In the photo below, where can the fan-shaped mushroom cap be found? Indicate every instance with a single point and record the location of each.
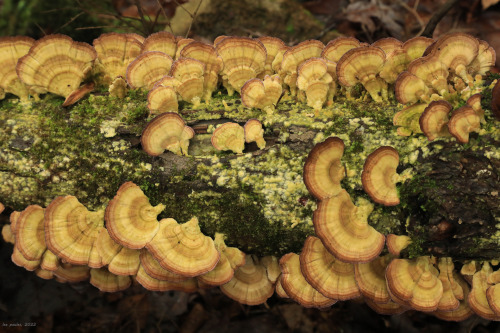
(415, 283)
(57, 64)
(397, 243)
(463, 311)
(230, 259)
(250, 284)
(370, 278)
(325, 273)
(493, 296)
(410, 88)
(229, 136)
(30, 236)
(484, 60)
(162, 99)
(183, 249)
(434, 119)
(294, 56)
(71, 273)
(478, 300)
(379, 176)
(336, 48)
(213, 64)
(388, 44)
(71, 230)
(130, 219)
(408, 119)
(262, 94)
(456, 51)
(147, 69)
(452, 291)
(323, 170)
(389, 308)
(189, 74)
(154, 269)
(313, 78)
(279, 289)
(396, 62)
(166, 131)
(272, 45)
(278, 59)
(189, 285)
(11, 49)
(161, 41)
(44, 274)
(463, 121)
(50, 262)
(125, 262)
(415, 47)
(106, 247)
(18, 259)
(296, 286)
(11, 229)
(344, 230)
(7, 234)
(181, 44)
(475, 102)
(115, 52)
(108, 282)
(432, 71)
(254, 132)
(244, 58)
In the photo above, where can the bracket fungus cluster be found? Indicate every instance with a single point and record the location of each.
(127, 242)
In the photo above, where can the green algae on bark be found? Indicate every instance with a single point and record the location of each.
(257, 199)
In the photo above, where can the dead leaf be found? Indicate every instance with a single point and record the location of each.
(488, 3)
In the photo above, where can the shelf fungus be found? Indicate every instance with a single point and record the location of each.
(72, 273)
(229, 136)
(115, 52)
(414, 283)
(11, 49)
(337, 47)
(297, 287)
(56, 64)
(183, 249)
(363, 65)
(478, 298)
(433, 72)
(163, 96)
(108, 282)
(397, 243)
(433, 121)
(262, 94)
(230, 259)
(125, 262)
(189, 76)
(452, 290)
(370, 278)
(344, 230)
(166, 131)
(272, 45)
(411, 89)
(212, 61)
(295, 56)
(484, 61)
(463, 311)
(379, 176)
(71, 231)
(325, 273)
(463, 121)
(147, 69)
(161, 41)
(475, 103)
(244, 58)
(323, 170)
(189, 285)
(416, 46)
(250, 284)
(254, 133)
(130, 219)
(313, 79)
(408, 119)
(153, 268)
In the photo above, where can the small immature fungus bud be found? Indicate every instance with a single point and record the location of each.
(297, 287)
(323, 170)
(229, 136)
(166, 131)
(130, 219)
(344, 230)
(397, 243)
(379, 176)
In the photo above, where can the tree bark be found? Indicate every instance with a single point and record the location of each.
(449, 207)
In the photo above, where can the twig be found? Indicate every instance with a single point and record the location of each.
(193, 16)
(69, 22)
(414, 12)
(436, 18)
(166, 16)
